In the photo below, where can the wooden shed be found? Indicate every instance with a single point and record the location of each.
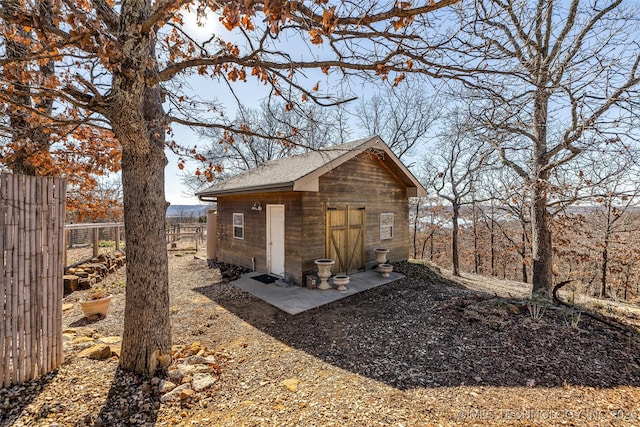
(339, 203)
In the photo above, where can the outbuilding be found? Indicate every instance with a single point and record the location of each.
(338, 203)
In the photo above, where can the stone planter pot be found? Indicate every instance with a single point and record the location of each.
(385, 269)
(96, 306)
(341, 281)
(381, 255)
(324, 272)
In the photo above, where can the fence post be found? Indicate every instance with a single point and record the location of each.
(117, 238)
(96, 241)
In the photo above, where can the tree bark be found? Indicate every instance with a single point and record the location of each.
(455, 259)
(476, 242)
(415, 229)
(605, 252)
(523, 255)
(139, 122)
(541, 247)
(146, 342)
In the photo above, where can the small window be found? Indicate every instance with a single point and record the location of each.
(386, 226)
(238, 226)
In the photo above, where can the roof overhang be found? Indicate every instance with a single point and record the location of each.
(247, 190)
(311, 181)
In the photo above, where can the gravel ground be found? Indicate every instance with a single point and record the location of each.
(420, 351)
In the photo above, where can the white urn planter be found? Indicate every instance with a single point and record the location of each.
(381, 255)
(324, 272)
(341, 281)
(385, 269)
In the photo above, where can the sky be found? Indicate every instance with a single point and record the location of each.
(250, 93)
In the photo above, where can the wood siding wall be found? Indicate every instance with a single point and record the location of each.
(254, 245)
(361, 182)
(32, 211)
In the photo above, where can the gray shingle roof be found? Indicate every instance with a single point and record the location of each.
(283, 174)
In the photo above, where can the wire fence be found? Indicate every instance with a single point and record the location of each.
(86, 241)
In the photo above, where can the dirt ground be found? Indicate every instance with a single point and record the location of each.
(423, 350)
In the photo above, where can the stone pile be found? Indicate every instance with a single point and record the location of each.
(194, 368)
(87, 274)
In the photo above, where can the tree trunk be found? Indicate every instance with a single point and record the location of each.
(146, 342)
(542, 247)
(604, 267)
(476, 242)
(455, 260)
(523, 255)
(605, 252)
(493, 244)
(139, 123)
(415, 229)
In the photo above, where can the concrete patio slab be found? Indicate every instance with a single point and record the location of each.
(295, 299)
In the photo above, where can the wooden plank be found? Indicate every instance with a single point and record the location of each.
(28, 284)
(15, 351)
(47, 249)
(4, 367)
(7, 192)
(22, 275)
(40, 260)
(61, 186)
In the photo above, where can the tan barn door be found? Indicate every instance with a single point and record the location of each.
(345, 238)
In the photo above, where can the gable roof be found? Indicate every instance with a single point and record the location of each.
(301, 172)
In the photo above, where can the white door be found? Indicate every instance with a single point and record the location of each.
(275, 239)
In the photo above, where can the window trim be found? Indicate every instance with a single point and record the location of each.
(387, 220)
(238, 226)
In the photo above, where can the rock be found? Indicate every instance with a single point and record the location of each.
(186, 393)
(116, 350)
(202, 381)
(175, 375)
(70, 283)
(97, 352)
(175, 393)
(290, 384)
(196, 360)
(177, 348)
(79, 340)
(67, 306)
(110, 339)
(166, 386)
(83, 331)
(512, 309)
(84, 283)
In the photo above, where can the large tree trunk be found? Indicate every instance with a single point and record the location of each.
(146, 343)
(542, 247)
(455, 258)
(140, 124)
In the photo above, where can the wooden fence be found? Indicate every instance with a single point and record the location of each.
(32, 211)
